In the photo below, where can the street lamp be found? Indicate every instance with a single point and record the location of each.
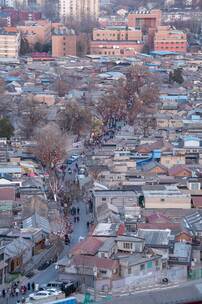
(94, 279)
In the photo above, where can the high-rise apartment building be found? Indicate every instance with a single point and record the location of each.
(77, 9)
(9, 44)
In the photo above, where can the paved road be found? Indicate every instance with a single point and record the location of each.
(189, 292)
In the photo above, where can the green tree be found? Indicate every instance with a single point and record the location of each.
(24, 46)
(38, 47)
(176, 76)
(146, 49)
(6, 129)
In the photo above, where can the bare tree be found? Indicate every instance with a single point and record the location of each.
(33, 116)
(61, 87)
(141, 94)
(75, 118)
(2, 86)
(51, 150)
(112, 108)
(84, 25)
(147, 106)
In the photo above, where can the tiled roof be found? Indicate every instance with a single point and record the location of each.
(94, 261)
(177, 169)
(197, 201)
(88, 246)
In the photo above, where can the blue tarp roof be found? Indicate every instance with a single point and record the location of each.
(12, 78)
(145, 55)
(4, 14)
(32, 89)
(151, 64)
(163, 53)
(191, 138)
(172, 97)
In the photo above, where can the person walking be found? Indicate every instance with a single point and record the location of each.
(78, 210)
(3, 293)
(33, 286)
(17, 291)
(28, 286)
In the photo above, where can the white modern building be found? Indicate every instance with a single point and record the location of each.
(78, 9)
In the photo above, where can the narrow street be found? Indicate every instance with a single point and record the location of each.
(50, 273)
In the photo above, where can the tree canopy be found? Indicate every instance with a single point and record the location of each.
(6, 128)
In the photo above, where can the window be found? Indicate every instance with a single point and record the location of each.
(194, 186)
(103, 271)
(129, 270)
(104, 199)
(162, 199)
(142, 267)
(127, 245)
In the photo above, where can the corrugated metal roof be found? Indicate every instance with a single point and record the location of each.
(37, 221)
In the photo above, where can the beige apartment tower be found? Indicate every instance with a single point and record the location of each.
(78, 9)
(9, 45)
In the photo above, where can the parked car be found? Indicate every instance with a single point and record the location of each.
(69, 288)
(75, 156)
(42, 294)
(82, 171)
(70, 161)
(54, 291)
(55, 284)
(45, 265)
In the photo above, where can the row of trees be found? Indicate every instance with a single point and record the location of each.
(25, 47)
(134, 96)
(129, 98)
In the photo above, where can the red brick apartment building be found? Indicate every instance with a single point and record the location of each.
(144, 27)
(168, 39)
(116, 41)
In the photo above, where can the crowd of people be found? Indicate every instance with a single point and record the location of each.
(17, 290)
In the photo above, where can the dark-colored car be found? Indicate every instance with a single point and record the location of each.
(45, 265)
(70, 287)
(164, 281)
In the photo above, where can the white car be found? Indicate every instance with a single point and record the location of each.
(75, 156)
(39, 295)
(54, 291)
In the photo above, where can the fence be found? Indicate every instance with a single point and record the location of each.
(195, 274)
